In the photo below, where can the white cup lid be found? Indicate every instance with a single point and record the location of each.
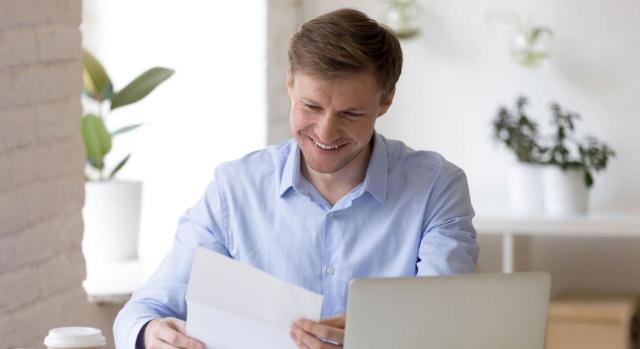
(75, 337)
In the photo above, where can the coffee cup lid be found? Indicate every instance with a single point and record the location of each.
(75, 337)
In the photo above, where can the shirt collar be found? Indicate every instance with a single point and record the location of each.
(291, 176)
(375, 181)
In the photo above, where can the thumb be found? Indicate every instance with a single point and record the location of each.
(178, 324)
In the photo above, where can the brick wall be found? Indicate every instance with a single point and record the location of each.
(41, 172)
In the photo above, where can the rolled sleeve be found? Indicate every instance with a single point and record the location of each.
(449, 243)
(163, 295)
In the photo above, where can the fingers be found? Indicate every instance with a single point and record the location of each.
(176, 338)
(158, 344)
(323, 331)
(305, 340)
(168, 333)
(338, 321)
(312, 335)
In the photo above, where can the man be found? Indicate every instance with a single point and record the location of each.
(338, 201)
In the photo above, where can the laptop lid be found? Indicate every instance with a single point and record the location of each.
(468, 311)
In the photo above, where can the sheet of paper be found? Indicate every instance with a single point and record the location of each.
(231, 305)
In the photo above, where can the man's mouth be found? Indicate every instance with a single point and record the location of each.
(326, 146)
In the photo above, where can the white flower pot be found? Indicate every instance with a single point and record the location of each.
(565, 192)
(525, 189)
(111, 220)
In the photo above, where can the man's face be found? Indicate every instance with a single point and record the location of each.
(333, 120)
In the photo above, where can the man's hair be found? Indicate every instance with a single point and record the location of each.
(344, 42)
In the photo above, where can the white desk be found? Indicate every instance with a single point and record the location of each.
(113, 282)
(593, 225)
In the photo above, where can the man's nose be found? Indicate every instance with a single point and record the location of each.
(328, 128)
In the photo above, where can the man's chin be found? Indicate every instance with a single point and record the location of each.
(326, 168)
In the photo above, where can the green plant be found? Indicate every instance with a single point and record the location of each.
(402, 16)
(527, 49)
(518, 132)
(99, 88)
(592, 155)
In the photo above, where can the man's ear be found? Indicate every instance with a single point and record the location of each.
(386, 101)
(289, 83)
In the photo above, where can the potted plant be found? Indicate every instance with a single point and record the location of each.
(112, 207)
(571, 165)
(529, 45)
(519, 133)
(403, 16)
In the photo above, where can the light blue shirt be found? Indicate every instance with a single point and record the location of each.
(410, 216)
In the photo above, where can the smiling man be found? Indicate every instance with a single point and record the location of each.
(338, 201)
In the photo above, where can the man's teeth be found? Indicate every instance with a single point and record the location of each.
(327, 147)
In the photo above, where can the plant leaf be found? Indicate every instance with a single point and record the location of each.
(537, 31)
(119, 166)
(140, 86)
(588, 179)
(97, 84)
(125, 129)
(97, 140)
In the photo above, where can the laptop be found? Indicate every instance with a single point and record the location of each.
(467, 311)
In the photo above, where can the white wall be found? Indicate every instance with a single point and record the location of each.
(211, 110)
(458, 71)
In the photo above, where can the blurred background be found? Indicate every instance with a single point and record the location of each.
(227, 97)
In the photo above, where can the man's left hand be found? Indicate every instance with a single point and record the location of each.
(328, 333)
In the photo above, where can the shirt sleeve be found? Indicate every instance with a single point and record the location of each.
(449, 242)
(163, 295)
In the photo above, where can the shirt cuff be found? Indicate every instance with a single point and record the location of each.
(140, 337)
(136, 335)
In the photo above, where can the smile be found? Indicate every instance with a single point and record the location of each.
(326, 146)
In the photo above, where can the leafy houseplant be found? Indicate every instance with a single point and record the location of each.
(402, 17)
(518, 132)
(529, 47)
(99, 88)
(112, 208)
(521, 135)
(568, 162)
(592, 155)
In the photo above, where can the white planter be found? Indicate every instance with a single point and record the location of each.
(565, 192)
(525, 189)
(111, 220)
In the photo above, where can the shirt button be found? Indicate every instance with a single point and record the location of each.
(330, 269)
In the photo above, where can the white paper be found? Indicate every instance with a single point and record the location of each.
(231, 305)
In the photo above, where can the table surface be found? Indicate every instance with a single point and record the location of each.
(113, 282)
(590, 225)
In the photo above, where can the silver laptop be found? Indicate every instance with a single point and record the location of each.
(469, 311)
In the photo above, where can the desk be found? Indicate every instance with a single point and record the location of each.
(114, 282)
(593, 225)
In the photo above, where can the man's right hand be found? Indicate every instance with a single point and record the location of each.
(169, 333)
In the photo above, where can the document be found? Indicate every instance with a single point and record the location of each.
(231, 305)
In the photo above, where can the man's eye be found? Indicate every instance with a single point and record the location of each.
(312, 107)
(351, 114)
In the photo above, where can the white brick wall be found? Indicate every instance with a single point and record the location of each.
(41, 172)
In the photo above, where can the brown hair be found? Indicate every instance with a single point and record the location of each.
(343, 42)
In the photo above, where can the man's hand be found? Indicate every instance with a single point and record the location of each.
(169, 333)
(328, 333)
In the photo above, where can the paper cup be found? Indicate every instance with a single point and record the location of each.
(75, 337)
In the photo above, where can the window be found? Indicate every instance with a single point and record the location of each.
(211, 110)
